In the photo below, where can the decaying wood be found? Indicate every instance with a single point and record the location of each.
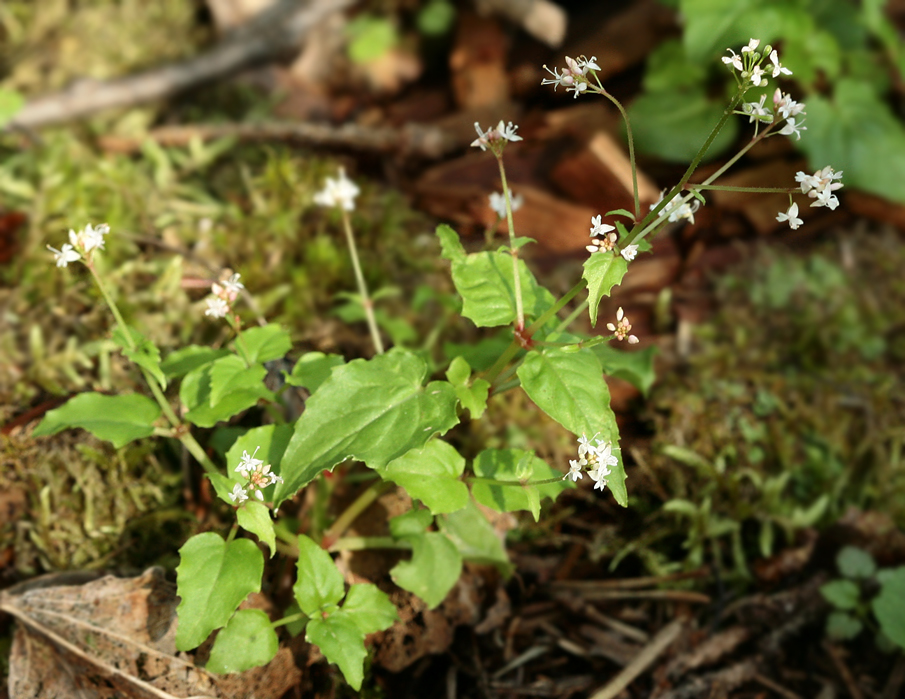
(273, 34)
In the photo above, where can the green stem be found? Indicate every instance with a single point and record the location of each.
(361, 543)
(361, 503)
(513, 250)
(301, 616)
(631, 145)
(496, 481)
(184, 436)
(232, 533)
(362, 286)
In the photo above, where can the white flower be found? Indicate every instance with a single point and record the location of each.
(757, 112)
(825, 197)
(735, 60)
(339, 192)
(498, 203)
(622, 328)
(752, 44)
(584, 445)
(565, 78)
(65, 255)
(629, 252)
(588, 64)
(574, 471)
(757, 76)
(605, 456)
(505, 132)
(233, 285)
(786, 106)
(216, 307)
(791, 215)
(93, 237)
(820, 186)
(599, 228)
(248, 463)
(777, 67)
(238, 494)
(677, 209)
(598, 475)
(793, 127)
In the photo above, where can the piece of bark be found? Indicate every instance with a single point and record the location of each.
(478, 63)
(600, 175)
(275, 33)
(544, 20)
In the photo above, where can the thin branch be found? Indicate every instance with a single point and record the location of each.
(274, 33)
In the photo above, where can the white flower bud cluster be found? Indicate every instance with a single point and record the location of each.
(595, 458)
(258, 476)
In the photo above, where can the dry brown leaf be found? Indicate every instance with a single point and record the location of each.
(115, 637)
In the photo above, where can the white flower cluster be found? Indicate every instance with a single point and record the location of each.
(622, 328)
(749, 64)
(676, 208)
(595, 458)
(819, 187)
(340, 192)
(603, 239)
(80, 244)
(258, 476)
(224, 293)
(498, 203)
(495, 138)
(574, 76)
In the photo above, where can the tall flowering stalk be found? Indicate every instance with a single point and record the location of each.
(341, 193)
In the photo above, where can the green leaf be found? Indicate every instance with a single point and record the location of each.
(369, 608)
(855, 563)
(636, 367)
(436, 17)
(842, 626)
(254, 516)
(710, 25)
(602, 271)
(515, 465)
(229, 376)
(195, 391)
(264, 344)
(117, 419)
(482, 354)
(146, 355)
(674, 124)
(371, 37)
(889, 606)
(570, 388)
(431, 475)
(182, 361)
(373, 411)
(472, 396)
(247, 641)
(319, 582)
(668, 67)
(212, 579)
(312, 369)
(434, 568)
(856, 132)
(486, 283)
(475, 538)
(341, 642)
(842, 594)
(412, 523)
(11, 102)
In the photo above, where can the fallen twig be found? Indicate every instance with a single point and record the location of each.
(648, 655)
(274, 33)
(411, 139)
